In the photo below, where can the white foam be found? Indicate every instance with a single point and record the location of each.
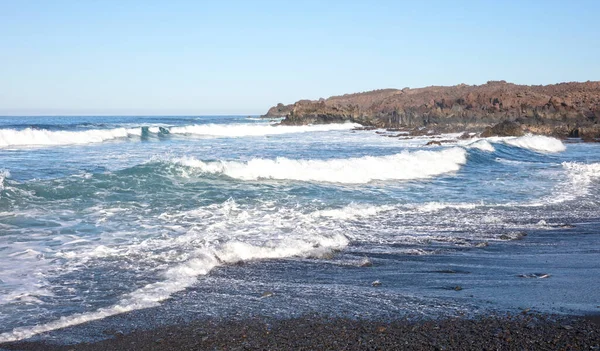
(40, 137)
(4, 173)
(178, 278)
(216, 234)
(243, 130)
(438, 206)
(401, 166)
(538, 143)
(352, 211)
(482, 145)
(581, 176)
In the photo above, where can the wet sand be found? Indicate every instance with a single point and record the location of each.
(508, 332)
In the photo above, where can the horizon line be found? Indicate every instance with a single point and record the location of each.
(130, 115)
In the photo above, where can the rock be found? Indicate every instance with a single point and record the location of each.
(564, 226)
(513, 236)
(366, 262)
(482, 244)
(280, 110)
(457, 288)
(503, 129)
(433, 142)
(562, 110)
(266, 294)
(376, 283)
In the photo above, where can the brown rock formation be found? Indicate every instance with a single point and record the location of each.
(280, 110)
(565, 109)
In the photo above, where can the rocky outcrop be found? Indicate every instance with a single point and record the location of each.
(503, 129)
(280, 110)
(563, 110)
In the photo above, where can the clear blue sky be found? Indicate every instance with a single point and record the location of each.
(241, 57)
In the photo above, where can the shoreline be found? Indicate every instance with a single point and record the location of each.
(522, 331)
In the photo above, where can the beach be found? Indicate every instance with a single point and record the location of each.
(519, 332)
(326, 235)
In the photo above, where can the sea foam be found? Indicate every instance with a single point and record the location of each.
(537, 143)
(401, 166)
(215, 240)
(242, 130)
(41, 137)
(4, 173)
(482, 145)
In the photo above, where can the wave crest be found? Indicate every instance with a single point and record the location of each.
(401, 166)
(4, 173)
(537, 143)
(242, 130)
(42, 137)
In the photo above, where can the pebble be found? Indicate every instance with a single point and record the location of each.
(267, 294)
(366, 263)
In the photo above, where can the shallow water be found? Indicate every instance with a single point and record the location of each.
(202, 215)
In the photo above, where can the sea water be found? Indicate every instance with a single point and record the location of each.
(237, 216)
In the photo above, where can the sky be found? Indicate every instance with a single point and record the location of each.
(199, 57)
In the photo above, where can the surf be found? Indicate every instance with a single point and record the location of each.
(401, 166)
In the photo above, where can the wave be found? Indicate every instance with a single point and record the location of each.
(401, 166)
(222, 241)
(482, 145)
(438, 206)
(41, 137)
(242, 130)
(581, 176)
(45, 137)
(537, 143)
(4, 173)
(353, 211)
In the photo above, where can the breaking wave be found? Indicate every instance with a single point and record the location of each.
(537, 143)
(219, 240)
(4, 173)
(401, 166)
(242, 130)
(482, 145)
(581, 176)
(42, 137)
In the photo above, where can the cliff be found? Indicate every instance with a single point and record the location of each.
(565, 109)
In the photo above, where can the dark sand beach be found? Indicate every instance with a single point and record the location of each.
(508, 332)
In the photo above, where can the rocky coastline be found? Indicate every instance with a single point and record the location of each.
(561, 110)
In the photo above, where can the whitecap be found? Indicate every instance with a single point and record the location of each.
(401, 166)
(537, 143)
(243, 130)
(41, 137)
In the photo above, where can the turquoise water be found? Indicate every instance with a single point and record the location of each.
(105, 215)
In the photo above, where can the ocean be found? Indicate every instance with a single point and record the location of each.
(134, 222)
